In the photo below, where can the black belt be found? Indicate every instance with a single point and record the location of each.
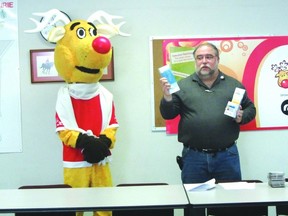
(211, 151)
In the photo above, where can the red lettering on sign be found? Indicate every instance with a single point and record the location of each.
(6, 4)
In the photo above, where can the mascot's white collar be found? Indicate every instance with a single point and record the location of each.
(64, 107)
(83, 91)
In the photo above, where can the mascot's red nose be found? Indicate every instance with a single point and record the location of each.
(101, 45)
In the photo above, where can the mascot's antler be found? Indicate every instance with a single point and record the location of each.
(106, 27)
(48, 18)
(102, 20)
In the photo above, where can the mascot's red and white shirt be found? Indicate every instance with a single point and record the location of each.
(87, 108)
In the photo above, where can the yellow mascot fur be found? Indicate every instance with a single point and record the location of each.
(85, 113)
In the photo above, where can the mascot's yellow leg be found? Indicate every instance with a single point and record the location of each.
(95, 176)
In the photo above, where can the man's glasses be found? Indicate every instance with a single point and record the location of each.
(207, 57)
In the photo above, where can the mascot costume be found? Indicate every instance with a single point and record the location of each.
(85, 114)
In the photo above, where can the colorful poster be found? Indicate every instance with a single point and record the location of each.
(260, 63)
(10, 111)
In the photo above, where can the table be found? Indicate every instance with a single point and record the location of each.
(261, 195)
(93, 199)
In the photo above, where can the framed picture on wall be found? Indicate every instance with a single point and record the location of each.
(108, 72)
(42, 66)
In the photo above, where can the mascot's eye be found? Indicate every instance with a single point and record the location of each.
(81, 33)
(93, 32)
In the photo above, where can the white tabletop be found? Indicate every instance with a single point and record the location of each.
(88, 199)
(261, 194)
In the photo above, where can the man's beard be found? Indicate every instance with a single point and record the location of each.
(205, 75)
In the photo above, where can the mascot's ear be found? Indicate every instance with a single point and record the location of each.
(50, 20)
(56, 34)
(110, 30)
(106, 30)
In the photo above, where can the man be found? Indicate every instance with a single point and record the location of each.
(208, 135)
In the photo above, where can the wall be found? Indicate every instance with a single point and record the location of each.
(140, 155)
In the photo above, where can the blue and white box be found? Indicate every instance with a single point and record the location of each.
(166, 72)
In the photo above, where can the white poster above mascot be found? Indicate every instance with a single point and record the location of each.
(10, 115)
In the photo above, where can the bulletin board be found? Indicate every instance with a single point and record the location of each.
(156, 62)
(259, 62)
